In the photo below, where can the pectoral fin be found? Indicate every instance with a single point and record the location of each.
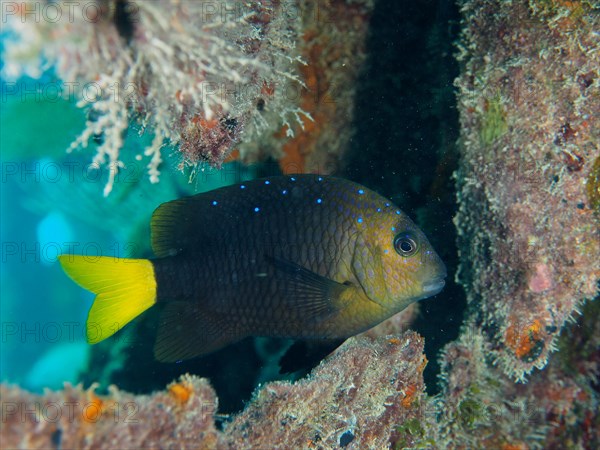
(313, 296)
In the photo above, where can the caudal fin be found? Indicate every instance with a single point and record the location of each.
(124, 289)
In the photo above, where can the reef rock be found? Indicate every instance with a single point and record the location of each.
(529, 238)
(361, 397)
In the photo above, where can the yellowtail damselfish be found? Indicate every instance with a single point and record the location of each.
(301, 256)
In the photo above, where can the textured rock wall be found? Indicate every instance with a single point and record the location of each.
(530, 119)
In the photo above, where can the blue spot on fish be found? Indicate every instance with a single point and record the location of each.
(293, 179)
(267, 182)
(256, 209)
(359, 220)
(385, 251)
(398, 211)
(320, 179)
(243, 186)
(361, 192)
(393, 228)
(387, 205)
(284, 191)
(214, 202)
(378, 209)
(319, 200)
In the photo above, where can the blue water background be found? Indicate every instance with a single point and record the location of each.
(51, 203)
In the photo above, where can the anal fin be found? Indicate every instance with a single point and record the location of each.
(186, 331)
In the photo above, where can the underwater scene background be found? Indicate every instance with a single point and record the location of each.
(480, 119)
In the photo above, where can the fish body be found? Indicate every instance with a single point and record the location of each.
(302, 256)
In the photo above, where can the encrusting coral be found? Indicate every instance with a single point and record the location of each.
(528, 230)
(333, 45)
(76, 418)
(529, 100)
(363, 394)
(481, 407)
(356, 399)
(368, 394)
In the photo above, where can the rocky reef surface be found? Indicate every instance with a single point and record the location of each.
(528, 227)
(359, 398)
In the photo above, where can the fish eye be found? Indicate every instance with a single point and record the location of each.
(405, 244)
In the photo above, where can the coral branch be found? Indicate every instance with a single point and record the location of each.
(186, 67)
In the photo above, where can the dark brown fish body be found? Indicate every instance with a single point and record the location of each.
(272, 257)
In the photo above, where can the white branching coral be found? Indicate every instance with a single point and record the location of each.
(201, 75)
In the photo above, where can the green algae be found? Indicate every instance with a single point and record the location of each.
(413, 428)
(493, 121)
(469, 411)
(593, 186)
(573, 10)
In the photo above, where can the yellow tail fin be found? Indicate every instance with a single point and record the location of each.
(125, 288)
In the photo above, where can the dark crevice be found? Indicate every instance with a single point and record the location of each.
(125, 19)
(404, 146)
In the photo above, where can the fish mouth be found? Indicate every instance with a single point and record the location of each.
(434, 286)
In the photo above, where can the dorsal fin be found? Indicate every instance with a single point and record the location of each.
(187, 223)
(165, 228)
